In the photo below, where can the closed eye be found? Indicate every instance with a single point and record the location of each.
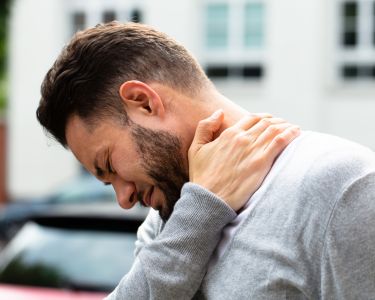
(109, 167)
(108, 164)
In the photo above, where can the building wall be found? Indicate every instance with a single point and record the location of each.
(37, 34)
(300, 82)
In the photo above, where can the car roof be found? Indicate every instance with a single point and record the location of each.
(97, 209)
(97, 216)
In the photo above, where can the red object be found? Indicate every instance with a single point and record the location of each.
(17, 292)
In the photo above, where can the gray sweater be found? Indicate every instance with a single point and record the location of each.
(311, 235)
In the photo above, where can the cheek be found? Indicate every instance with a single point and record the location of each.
(128, 165)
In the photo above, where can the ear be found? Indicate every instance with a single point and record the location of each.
(139, 97)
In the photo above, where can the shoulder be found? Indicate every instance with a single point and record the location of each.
(333, 162)
(319, 169)
(347, 258)
(354, 211)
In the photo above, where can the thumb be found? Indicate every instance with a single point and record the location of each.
(206, 130)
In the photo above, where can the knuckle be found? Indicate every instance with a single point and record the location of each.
(229, 132)
(266, 122)
(255, 118)
(273, 129)
(242, 139)
(280, 140)
(258, 162)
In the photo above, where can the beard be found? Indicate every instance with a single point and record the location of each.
(162, 159)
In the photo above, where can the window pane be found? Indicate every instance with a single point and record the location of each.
(254, 20)
(136, 16)
(353, 71)
(366, 71)
(350, 9)
(217, 71)
(254, 71)
(79, 21)
(350, 38)
(349, 24)
(217, 26)
(349, 71)
(109, 16)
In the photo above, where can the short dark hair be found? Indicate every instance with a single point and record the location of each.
(85, 78)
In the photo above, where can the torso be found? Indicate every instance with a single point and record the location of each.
(273, 251)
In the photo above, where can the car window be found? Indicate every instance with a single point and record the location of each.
(65, 258)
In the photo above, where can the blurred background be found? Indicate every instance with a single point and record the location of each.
(310, 62)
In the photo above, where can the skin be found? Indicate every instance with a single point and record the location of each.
(128, 155)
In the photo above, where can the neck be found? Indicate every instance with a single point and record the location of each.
(188, 111)
(232, 112)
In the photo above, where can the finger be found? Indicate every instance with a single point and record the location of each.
(263, 115)
(206, 130)
(262, 125)
(282, 140)
(247, 122)
(269, 133)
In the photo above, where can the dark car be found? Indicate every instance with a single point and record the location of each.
(85, 189)
(77, 251)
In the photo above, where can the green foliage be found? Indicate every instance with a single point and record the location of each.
(3, 94)
(4, 13)
(33, 274)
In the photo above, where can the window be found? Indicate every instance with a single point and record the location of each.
(109, 16)
(356, 48)
(217, 26)
(78, 21)
(349, 24)
(136, 16)
(217, 71)
(234, 38)
(358, 71)
(88, 13)
(223, 71)
(254, 25)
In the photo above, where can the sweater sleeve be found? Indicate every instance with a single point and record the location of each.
(148, 230)
(173, 265)
(348, 261)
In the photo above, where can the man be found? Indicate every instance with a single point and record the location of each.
(128, 100)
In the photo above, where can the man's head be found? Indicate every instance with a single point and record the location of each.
(86, 78)
(114, 97)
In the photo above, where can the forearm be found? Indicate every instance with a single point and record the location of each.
(173, 265)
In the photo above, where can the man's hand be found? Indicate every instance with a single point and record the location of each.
(234, 165)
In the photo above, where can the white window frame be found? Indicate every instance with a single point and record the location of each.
(364, 52)
(94, 9)
(236, 53)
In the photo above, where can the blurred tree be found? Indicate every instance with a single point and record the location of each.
(4, 12)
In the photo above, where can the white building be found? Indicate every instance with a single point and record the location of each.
(311, 62)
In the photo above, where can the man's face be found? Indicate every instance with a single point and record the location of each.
(142, 164)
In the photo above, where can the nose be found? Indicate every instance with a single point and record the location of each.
(124, 192)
